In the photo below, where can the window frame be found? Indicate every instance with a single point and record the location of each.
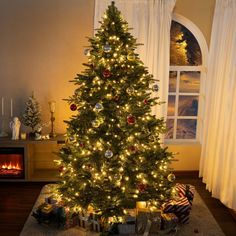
(201, 95)
(198, 117)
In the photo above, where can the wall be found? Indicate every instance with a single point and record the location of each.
(200, 12)
(186, 156)
(41, 49)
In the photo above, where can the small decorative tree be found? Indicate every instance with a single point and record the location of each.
(31, 115)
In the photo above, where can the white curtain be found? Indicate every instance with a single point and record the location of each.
(151, 22)
(218, 158)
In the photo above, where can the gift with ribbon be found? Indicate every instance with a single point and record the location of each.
(148, 221)
(84, 221)
(72, 220)
(95, 223)
(180, 207)
(185, 190)
(50, 200)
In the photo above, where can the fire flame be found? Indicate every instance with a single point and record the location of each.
(10, 166)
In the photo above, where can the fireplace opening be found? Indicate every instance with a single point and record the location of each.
(12, 163)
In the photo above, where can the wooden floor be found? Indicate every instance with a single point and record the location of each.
(17, 200)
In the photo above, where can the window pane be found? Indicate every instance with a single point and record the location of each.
(188, 106)
(171, 105)
(172, 81)
(189, 82)
(186, 129)
(169, 128)
(184, 48)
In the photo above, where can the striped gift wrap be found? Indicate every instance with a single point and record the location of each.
(185, 190)
(179, 206)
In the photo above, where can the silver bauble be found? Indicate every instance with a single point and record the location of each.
(171, 177)
(108, 153)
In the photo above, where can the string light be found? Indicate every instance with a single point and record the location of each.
(130, 165)
(126, 178)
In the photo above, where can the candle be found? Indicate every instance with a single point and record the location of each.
(11, 107)
(52, 106)
(23, 135)
(2, 106)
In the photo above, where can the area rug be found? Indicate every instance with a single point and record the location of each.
(202, 223)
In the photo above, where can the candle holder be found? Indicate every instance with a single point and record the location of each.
(52, 106)
(3, 133)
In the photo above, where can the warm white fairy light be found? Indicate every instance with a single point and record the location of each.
(116, 59)
(144, 181)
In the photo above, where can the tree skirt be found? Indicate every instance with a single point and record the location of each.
(202, 223)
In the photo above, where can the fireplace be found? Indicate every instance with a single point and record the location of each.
(12, 163)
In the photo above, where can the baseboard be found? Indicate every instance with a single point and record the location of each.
(186, 173)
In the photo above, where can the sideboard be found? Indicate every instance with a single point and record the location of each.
(39, 158)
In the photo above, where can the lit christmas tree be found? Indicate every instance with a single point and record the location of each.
(31, 115)
(112, 157)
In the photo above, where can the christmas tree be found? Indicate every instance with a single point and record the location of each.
(113, 157)
(31, 115)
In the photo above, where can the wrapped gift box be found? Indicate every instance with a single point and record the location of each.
(126, 228)
(148, 221)
(168, 221)
(50, 200)
(183, 218)
(71, 221)
(43, 214)
(180, 206)
(47, 208)
(95, 223)
(185, 190)
(84, 221)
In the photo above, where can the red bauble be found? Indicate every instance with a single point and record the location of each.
(131, 119)
(88, 167)
(106, 73)
(73, 107)
(116, 98)
(81, 144)
(145, 101)
(141, 187)
(132, 148)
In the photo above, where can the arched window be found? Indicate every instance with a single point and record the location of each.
(186, 79)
